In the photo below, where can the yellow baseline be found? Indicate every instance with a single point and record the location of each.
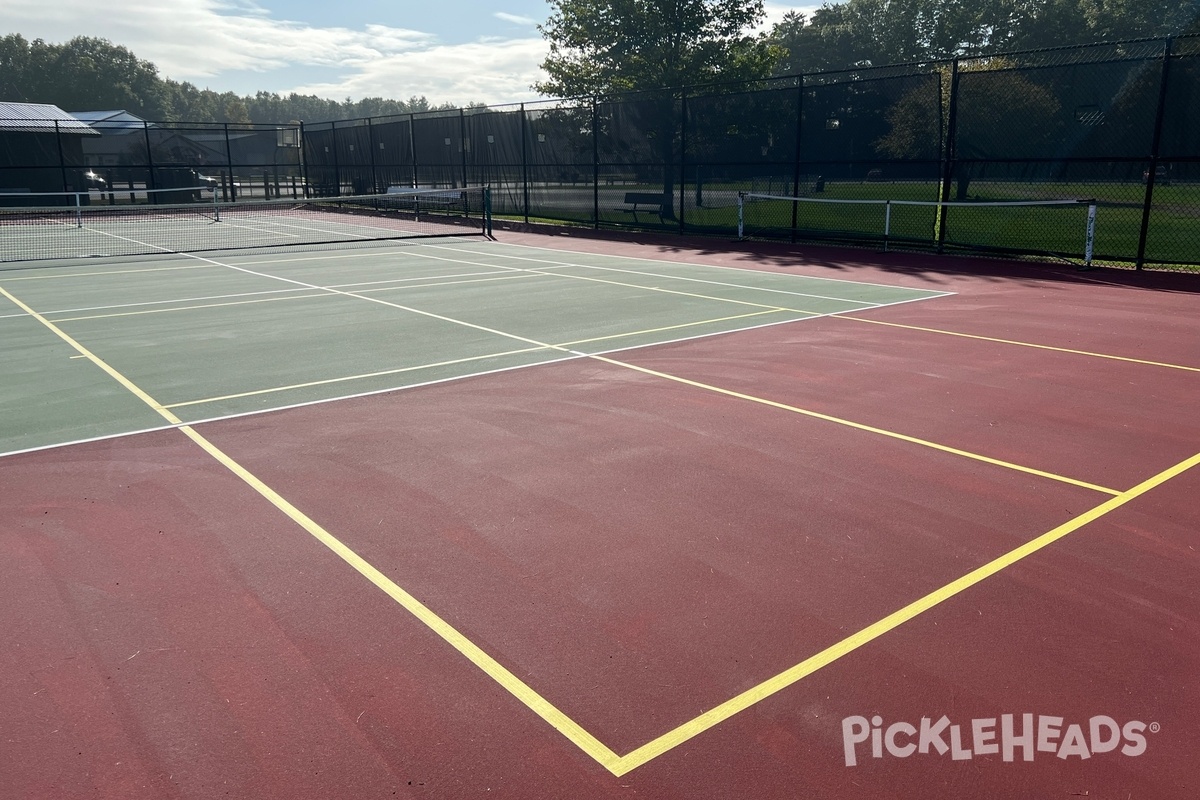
(860, 426)
(750, 697)
(1020, 344)
(494, 669)
(593, 747)
(400, 370)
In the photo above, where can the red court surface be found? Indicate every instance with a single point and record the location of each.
(639, 541)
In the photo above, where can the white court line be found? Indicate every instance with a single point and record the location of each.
(406, 387)
(568, 354)
(932, 292)
(658, 289)
(58, 276)
(324, 294)
(266, 231)
(255, 294)
(418, 367)
(559, 264)
(347, 378)
(576, 356)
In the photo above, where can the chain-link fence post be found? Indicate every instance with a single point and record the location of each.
(1155, 145)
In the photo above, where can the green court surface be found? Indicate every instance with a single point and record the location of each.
(207, 338)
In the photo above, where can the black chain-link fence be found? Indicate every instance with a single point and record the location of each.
(118, 161)
(1117, 125)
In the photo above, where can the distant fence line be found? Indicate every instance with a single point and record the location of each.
(1116, 123)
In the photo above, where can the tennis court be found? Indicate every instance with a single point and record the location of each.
(559, 516)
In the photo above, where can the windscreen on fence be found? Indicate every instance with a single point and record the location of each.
(1115, 123)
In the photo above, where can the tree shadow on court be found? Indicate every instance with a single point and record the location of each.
(863, 263)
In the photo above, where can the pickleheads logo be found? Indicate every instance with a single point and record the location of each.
(1007, 736)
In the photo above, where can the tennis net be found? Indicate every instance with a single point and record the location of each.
(1065, 228)
(81, 231)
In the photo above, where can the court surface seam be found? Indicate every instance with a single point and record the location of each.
(617, 765)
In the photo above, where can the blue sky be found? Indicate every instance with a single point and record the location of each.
(451, 51)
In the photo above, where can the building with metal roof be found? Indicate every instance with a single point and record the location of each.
(39, 118)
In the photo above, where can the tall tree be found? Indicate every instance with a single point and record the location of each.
(598, 47)
(14, 69)
(607, 47)
(874, 32)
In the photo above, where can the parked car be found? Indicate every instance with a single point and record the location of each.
(205, 180)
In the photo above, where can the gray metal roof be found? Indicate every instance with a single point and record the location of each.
(110, 121)
(40, 118)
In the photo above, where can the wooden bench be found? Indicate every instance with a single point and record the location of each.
(644, 202)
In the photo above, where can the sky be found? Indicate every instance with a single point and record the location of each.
(450, 51)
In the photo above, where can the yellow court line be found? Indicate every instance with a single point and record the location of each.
(674, 327)
(859, 426)
(363, 376)
(492, 668)
(399, 370)
(589, 744)
(697, 295)
(99, 362)
(750, 697)
(1020, 344)
(559, 264)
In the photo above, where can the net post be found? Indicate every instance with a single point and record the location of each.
(216, 205)
(78, 209)
(741, 206)
(1090, 246)
(487, 211)
(887, 223)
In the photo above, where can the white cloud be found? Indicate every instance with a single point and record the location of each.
(205, 40)
(196, 39)
(199, 40)
(515, 19)
(489, 72)
(775, 13)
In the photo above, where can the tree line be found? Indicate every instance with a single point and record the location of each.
(875, 32)
(604, 47)
(90, 74)
(610, 46)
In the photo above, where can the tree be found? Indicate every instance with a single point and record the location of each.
(996, 100)
(604, 48)
(14, 68)
(89, 74)
(875, 32)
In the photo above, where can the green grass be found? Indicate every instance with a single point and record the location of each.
(1174, 235)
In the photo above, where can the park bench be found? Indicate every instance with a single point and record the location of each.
(644, 202)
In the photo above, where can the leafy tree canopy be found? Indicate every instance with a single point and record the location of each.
(601, 47)
(874, 32)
